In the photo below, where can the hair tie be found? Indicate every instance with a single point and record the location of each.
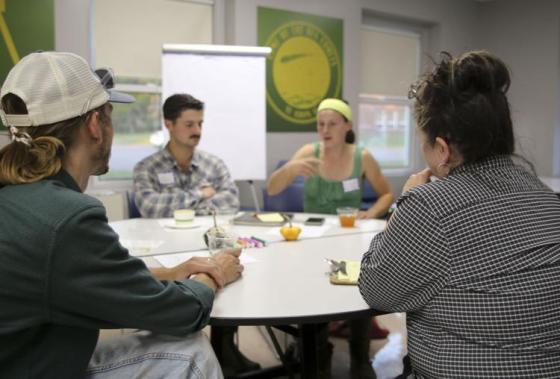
(19, 136)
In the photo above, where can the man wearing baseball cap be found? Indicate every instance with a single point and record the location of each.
(63, 273)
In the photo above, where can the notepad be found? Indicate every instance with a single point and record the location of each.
(351, 276)
(261, 219)
(270, 217)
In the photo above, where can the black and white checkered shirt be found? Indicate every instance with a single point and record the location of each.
(160, 186)
(474, 260)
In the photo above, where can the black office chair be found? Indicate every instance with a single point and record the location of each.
(133, 211)
(369, 196)
(289, 200)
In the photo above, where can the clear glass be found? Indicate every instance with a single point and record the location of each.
(218, 242)
(347, 216)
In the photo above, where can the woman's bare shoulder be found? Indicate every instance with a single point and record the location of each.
(305, 151)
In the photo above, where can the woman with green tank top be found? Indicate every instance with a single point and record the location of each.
(334, 169)
(324, 196)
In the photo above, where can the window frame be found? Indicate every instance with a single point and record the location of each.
(374, 20)
(97, 183)
(373, 99)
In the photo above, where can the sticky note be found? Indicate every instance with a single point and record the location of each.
(270, 217)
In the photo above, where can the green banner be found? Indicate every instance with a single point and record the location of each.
(25, 26)
(305, 66)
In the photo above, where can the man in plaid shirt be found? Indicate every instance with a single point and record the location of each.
(181, 176)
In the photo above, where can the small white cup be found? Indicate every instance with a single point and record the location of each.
(183, 215)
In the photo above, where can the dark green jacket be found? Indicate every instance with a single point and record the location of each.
(64, 275)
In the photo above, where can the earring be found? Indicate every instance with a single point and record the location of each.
(445, 167)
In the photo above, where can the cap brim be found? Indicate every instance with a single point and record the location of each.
(120, 97)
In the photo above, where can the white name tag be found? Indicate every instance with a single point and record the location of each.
(350, 185)
(166, 178)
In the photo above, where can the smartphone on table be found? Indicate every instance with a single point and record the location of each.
(315, 221)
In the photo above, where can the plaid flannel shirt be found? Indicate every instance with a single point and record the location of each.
(474, 260)
(160, 186)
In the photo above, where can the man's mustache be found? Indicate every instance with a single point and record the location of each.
(196, 136)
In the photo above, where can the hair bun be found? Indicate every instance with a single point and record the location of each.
(464, 101)
(480, 72)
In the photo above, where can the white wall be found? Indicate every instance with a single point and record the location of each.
(526, 35)
(71, 27)
(452, 24)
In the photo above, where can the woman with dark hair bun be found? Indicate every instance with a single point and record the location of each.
(464, 102)
(473, 257)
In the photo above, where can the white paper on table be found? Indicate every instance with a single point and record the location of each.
(140, 248)
(270, 235)
(371, 225)
(310, 231)
(172, 260)
(332, 221)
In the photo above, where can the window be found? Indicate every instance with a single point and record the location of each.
(390, 63)
(385, 129)
(138, 130)
(127, 36)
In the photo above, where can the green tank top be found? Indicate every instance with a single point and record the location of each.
(324, 196)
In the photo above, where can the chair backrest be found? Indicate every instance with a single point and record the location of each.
(369, 196)
(133, 211)
(114, 203)
(289, 200)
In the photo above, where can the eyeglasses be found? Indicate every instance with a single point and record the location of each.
(412, 91)
(106, 78)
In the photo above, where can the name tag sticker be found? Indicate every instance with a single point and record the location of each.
(350, 185)
(166, 178)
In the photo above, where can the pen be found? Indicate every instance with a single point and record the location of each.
(259, 240)
(255, 243)
(247, 242)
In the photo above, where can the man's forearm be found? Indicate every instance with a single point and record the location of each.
(161, 273)
(206, 280)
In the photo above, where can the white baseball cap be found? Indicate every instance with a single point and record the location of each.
(55, 87)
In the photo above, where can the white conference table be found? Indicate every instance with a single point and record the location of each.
(283, 283)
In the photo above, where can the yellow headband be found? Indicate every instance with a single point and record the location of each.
(336, 105)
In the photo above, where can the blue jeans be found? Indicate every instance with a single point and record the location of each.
(150, 356)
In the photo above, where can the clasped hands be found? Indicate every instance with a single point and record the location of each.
(414, 180)
(207, 191)
(224, 267)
